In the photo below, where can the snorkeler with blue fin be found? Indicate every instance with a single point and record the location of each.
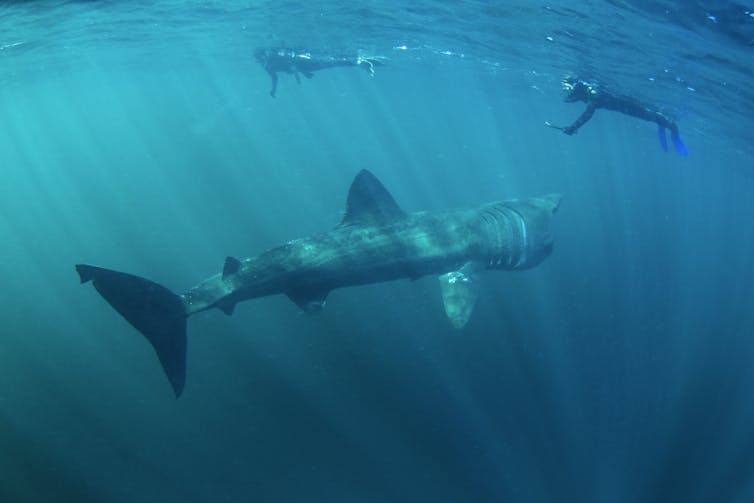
(594, 97)
(281, 59)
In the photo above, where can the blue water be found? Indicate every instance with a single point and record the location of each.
(140, 136)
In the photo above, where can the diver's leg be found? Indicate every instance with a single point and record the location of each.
(662, 137)
(675, 137)
(665, 123)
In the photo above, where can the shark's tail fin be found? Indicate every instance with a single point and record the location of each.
(152, 309)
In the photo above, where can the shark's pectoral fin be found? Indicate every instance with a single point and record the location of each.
(309, 300)
(459, 293)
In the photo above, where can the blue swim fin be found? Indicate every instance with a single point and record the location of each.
(680, 147)
(662, 137)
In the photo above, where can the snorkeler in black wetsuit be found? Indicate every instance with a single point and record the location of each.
(594, 97)
(278, 59)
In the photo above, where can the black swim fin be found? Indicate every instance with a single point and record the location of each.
(152, 309)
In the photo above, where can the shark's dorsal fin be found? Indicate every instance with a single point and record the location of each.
(369, 202)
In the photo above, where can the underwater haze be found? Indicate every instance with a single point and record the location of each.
(141, 136)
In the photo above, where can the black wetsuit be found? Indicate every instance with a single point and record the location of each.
(595, 98)
(280, 59)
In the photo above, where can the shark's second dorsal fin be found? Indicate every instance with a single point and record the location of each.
(369, 202)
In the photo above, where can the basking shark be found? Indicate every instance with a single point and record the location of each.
(376, 241)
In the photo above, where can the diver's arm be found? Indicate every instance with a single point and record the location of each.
(312, 65)
(274, 78)
(583, 119)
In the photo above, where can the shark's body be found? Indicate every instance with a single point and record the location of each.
(375, 242)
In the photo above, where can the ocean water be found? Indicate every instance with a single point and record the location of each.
(140, 136)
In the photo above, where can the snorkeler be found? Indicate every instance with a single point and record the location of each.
(280, 59)
(594, 97)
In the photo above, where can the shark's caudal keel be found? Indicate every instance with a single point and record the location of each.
(375, 242)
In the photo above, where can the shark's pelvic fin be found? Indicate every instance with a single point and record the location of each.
(226, 305)
(151, 309)
(369, 202)
(459, 293)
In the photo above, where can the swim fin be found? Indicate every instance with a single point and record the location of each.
(680, 147)
(662, 137)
